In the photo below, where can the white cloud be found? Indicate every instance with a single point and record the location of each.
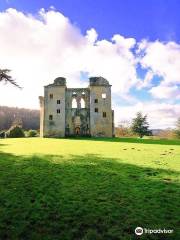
(39, 48)
(91, 36)
(160, 115)
(164, 92)
(164, 61)
(42, 48)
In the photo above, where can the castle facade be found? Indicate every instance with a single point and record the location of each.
(77, 111)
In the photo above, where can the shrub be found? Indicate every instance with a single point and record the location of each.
(15, 132)
(177, 130)
(32, 133)
(2, 134)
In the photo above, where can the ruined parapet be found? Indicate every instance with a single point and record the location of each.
(98, 81)
(59, 81)
(41, 102)
(113, 127)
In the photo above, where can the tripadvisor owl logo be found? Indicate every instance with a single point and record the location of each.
(139, 231)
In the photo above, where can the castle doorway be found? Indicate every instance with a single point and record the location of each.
(77, 131)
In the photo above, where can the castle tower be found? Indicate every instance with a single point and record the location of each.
(101, 114)
(54, 109)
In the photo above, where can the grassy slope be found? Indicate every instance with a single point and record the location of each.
(88, 189)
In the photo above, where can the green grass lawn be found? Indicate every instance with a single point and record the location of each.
(88, 189)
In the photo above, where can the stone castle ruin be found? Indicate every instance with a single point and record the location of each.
(77, 111)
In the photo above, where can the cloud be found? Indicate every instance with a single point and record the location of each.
(91, 36)
(163, 60)
(42, 48)
(38, 48)
(166, 92)
(160, 115)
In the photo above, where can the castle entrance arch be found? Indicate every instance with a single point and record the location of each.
(77, 124)
(77, 131)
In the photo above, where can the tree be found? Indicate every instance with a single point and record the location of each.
(4, 76)
(32, 133)
(123, 129)
(15, 132)
(177, 131)
(140, 126)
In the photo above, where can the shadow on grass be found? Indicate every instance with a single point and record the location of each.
(131, 140)
(84, 197)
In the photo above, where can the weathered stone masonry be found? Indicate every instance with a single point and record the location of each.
(77, 111)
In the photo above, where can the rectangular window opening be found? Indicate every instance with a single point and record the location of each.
(58, 111)
(96, 100)
(104, 114)
(103, 95)
(51, 96)
(50, 117)
(96, 110)
(58, 101)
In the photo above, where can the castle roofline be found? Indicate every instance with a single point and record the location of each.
(93, 81)
(98, 81)
(59, 81)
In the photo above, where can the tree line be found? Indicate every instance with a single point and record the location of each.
(27, 118)
(11, 116)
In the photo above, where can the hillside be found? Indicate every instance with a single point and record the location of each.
(28, 117)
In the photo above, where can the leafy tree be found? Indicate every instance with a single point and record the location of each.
(177, 131)
(2, 134)
(4, 76)
(32, 133)
(140, 126)
(15, 132)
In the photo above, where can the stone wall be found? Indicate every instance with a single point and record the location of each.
(41, 101)
(77, 117)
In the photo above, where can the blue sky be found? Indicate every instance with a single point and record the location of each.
(135, 44)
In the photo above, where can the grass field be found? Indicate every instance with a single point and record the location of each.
(88, 189)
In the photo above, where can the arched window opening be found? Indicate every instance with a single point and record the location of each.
(82, 103)
(74, 103)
